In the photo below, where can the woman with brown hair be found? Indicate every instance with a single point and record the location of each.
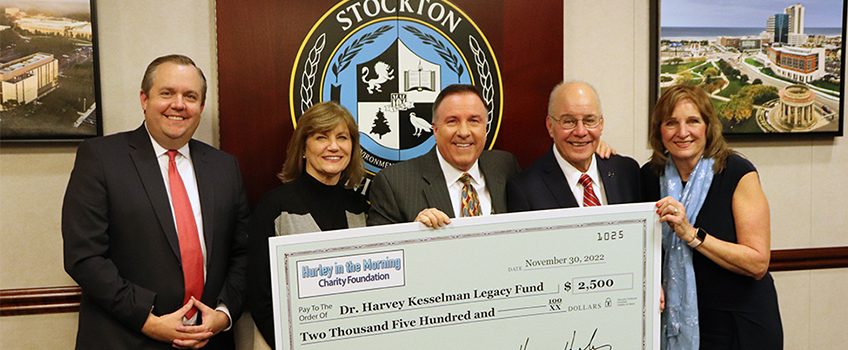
(718, 292)
(322, 168)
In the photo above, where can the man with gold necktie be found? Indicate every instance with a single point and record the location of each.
(457, 178)
(570, 174)
(154, 226)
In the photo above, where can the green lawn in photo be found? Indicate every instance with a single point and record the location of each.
(771, 73)
(717, 103)
(677, 68)
(753, 62)
(732, 88)
(700, 69)
(827, 85)
(747, 126)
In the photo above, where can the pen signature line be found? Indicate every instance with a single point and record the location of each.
(526, 342)
(589, 345)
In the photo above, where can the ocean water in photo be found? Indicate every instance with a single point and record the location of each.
(710, 33)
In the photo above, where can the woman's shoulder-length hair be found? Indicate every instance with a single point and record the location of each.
(323, 117)
(715, 146)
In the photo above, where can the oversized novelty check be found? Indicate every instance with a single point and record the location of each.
(583, 278)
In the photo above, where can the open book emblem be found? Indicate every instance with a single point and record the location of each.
(420, 80)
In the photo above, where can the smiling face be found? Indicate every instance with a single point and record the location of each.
(460, 129)
(684, 133)
(173, 105)
(577, 146)
(328, 154)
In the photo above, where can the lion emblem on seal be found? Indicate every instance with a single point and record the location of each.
(384, 74)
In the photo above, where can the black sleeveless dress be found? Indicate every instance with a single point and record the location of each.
(735, 311)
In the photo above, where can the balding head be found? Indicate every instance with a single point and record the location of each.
(571, 89)
(575, 122)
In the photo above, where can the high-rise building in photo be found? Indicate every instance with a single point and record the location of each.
(778, 27)
(796, 18)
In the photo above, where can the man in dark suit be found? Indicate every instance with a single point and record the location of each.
(575, 123)
(428, 188)
(154, 226)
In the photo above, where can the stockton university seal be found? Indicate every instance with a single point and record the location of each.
(386, 61)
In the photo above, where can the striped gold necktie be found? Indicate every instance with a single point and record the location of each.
(470, 202)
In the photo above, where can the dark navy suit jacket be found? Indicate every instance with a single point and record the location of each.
(121, 244)
(543, 185)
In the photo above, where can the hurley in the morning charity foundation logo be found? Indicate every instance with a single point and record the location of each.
(386, 61)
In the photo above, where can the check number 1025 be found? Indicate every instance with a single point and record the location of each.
(611, 235)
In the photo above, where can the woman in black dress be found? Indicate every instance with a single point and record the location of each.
(322, 168)
(717, 239)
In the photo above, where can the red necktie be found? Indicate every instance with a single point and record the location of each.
(589, 197)
(190, 252)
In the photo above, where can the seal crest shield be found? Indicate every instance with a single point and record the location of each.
(386, 61)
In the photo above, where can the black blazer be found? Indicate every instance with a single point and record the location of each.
(543, 185)
(121, 245)
(398, 193)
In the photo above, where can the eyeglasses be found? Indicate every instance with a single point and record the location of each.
(569, 123)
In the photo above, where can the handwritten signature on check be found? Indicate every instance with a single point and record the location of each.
(570, 345)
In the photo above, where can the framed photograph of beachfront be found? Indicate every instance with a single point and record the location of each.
(49, 71)
(771, 67)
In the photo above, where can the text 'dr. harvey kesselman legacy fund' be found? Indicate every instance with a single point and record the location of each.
(583, 278)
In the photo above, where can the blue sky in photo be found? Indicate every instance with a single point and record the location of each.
(745, 13)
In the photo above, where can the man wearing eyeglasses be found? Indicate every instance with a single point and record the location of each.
(570, 174)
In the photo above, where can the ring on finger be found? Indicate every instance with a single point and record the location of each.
(675, 210)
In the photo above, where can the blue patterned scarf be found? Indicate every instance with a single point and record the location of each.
(680, 328)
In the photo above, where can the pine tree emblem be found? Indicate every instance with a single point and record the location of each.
(381, 125)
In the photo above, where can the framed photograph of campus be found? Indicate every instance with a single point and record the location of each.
(771, 67)
(48, 71)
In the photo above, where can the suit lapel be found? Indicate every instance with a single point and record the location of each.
(204, 174)
(144, 159)
(607, 174)
(436, 191)
(556, 182)
(495, 183)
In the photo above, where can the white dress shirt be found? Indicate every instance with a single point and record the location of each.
(452, 176)
(186, 170)
(572, 176)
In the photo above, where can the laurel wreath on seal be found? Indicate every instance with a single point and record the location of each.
(310, 68)
(441, 49)
(350, 52)
(485, 74)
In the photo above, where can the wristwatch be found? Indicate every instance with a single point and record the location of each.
(699, 238)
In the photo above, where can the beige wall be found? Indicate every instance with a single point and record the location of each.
(802, 179)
